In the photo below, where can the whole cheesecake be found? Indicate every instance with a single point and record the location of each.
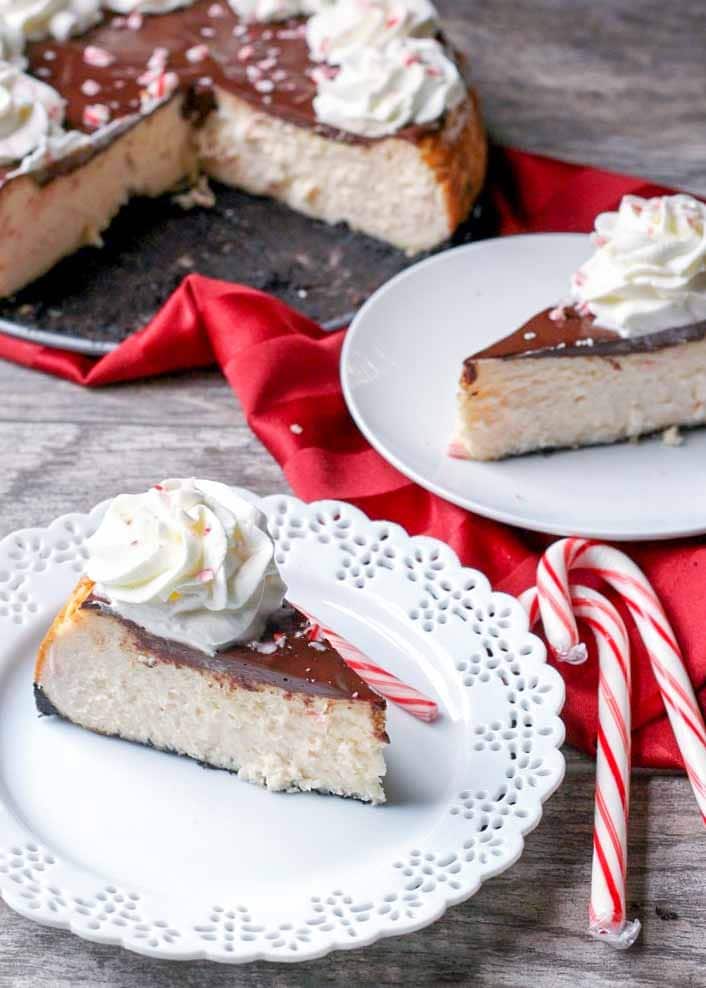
(152, 100)
(625, 356)
(188, 646)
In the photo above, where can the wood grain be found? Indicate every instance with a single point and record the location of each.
(617, 82)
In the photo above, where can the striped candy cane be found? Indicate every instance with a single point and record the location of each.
(607, 913)
(378, 679)
(621, 573)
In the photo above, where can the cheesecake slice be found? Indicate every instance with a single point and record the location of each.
(284, 711)
(561, 381)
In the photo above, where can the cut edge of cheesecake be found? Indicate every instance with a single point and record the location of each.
(422, 190)
(101, 672)
(577, 385)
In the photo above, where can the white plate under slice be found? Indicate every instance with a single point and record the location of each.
(400, 368)
(126, 845)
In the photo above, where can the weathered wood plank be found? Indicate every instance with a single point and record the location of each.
(615, 83)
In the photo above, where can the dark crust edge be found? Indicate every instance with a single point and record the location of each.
(47, 709)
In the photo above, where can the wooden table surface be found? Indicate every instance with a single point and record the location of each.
(619, 83)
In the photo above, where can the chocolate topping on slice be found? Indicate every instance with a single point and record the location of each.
(566, 333)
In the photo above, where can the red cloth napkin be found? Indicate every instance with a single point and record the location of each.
(284, 370)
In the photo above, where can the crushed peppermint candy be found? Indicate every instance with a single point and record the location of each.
(264, 85)
(319, 646)
(296, 429)
(558, 314)
(280, 639)
(197, 53)
(158, 59)
(97, 57)
(89, 87)
(314, 633)
(264, 648)
(96, 115)
(529, 335)
(134, 21)
(215, 10)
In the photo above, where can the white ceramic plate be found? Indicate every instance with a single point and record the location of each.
(400, 366)
(129, 846)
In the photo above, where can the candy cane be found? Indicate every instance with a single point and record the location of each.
(383, 682)
(620, 572)
(607, 914)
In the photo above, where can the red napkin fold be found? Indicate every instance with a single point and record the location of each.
(284, 370)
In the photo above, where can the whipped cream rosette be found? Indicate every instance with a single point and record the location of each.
(189, 560)
(12, 44)
(377, 91)
(276, 10)
(649, 270)
(30, 111)
(343, 28)
(58, 19)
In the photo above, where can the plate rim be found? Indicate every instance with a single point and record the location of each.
(468, 503)
(280, 505)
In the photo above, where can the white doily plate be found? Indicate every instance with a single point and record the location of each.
(126, 845)
(400, 368)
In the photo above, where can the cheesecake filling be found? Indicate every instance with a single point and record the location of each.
(190, 561)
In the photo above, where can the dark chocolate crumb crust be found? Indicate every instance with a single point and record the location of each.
(105, 294)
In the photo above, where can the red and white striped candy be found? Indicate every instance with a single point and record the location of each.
(160, 85)
(95, 115)
(607, 916)
(378, 679)
(621, 573)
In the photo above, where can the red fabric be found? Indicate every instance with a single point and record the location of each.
(257, 341)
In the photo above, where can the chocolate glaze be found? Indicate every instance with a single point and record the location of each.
(297, 665)
(266, 64)
(577, 336)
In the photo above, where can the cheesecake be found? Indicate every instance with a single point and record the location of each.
(188, 646)
(284, 711)
(565, 382)
(387, 139)
(624, 356)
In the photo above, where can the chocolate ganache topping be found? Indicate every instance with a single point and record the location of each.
(564, 332)
(288, 655)
(205, 45)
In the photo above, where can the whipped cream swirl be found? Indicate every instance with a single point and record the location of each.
(145, 6)
(12, 44)
(649, 270)
(377, 91)
(276, 10)
(344, 27)
(189, 560)
(58, 19)
(30, 111)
